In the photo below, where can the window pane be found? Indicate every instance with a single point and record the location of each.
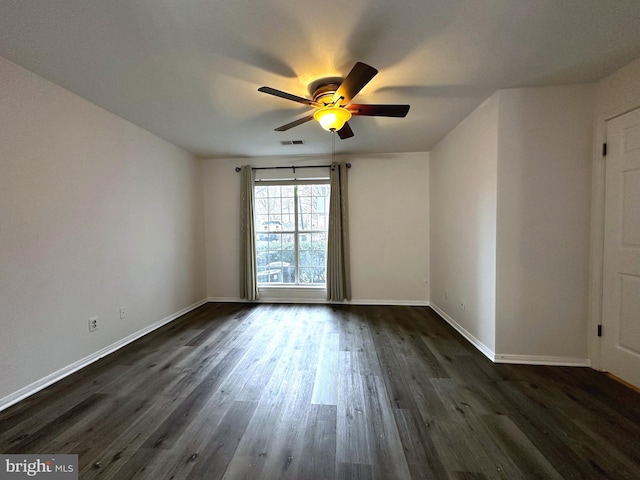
(274, 190)
(304, 222)
(260, 192)
(276, 241)
(316, 223)
(288, 205)
(275, 205)
(304, 204)
(273, 224)
(287, 240)
(311, 258)
(320, 241)
(323, 222)
(266, 256)
(312, 276)
(304, 190)
(275, 260)
(321, 190)
(261, 206)
(287, 190)
(288, 223)
(260, 219)
(277, 238)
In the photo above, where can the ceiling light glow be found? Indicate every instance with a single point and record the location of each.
(332, 118)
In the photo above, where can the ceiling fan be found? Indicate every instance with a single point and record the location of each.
(332, 101)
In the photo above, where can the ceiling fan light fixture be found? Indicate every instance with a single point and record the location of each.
(332, 118)
(332, 98)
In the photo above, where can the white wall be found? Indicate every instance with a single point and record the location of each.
(389, 228)
(544, 185)
(618, 90)
(222, 236)
(388, 205)
(463, 169)
(95, 214)
(510, 206)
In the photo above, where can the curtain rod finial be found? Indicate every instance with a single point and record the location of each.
(238, 169)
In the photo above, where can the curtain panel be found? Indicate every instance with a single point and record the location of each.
(338, 258)
(248, 268)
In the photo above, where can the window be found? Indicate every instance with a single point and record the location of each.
(291, 221)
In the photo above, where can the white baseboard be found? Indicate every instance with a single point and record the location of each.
(83, 362)
(556, 361)
(268, 300)
(227, 300)
(543, 360)
(357, 301)
(400, 303)
(486, 351)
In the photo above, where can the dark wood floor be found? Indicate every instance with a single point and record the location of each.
(326, 392)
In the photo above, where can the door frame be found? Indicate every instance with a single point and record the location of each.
(596, 262)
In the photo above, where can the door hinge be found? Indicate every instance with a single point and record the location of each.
(599, 330)
(604, 149)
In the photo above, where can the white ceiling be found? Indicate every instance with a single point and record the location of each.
(189, 70)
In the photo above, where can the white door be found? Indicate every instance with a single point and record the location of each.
(621, 282)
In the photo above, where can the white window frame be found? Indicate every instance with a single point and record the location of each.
(284, 288)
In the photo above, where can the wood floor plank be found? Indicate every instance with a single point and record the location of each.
(462, 451)
(285, 427)
(31, 414)
(353, 429)
(276, 430)
(256, 391)
(418, 444)
(515, 444)
(138, 467)
(194, 442)
(325, 387)
(388, 455)
(218, 452)
(107, 463)
(356, 336)
(166, 433)
(319, 448)
(430, 405)
(394, 376)
(37, 441)
(354, 471)
(547, 433)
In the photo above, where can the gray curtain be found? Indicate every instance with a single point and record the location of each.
(338, 268)
(248, 278)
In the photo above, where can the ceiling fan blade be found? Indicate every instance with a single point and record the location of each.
(379, 110)
(358, 77)
(345, 131)
(295, 123)
(288, 96)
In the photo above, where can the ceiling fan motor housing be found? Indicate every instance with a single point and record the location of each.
(323, 93)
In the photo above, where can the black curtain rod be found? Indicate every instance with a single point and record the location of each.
(291, 167)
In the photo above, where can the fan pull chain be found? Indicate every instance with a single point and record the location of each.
(333, 146)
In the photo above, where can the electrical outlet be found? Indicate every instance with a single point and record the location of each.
(93, 324)
(463, 305)
(123, 312)
(446, 294)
